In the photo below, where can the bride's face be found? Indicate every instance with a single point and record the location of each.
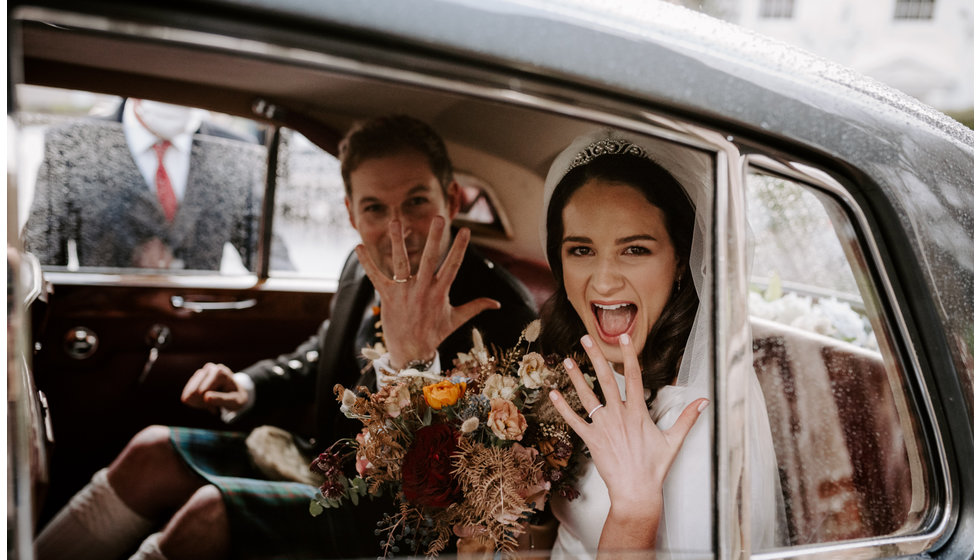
(618, 263)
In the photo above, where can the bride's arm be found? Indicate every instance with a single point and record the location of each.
(631, 454)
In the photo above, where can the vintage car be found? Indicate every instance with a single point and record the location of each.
(842, 231)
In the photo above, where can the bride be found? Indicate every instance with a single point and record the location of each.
(625, 233)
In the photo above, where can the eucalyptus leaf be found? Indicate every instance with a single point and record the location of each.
(315, 508)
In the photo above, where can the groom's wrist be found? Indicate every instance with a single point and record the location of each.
(419, 360)
(421, 364)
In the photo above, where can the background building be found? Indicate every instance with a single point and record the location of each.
(921, 47)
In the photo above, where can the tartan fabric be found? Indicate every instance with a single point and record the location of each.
(271, 519)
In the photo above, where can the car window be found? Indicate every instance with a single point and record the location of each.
(310, 215)
(478, 210)
(311, 221)
(848, 443)
(139, 186)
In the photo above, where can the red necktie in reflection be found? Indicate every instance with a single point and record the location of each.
(165, 191)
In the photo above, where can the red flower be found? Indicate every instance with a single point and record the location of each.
(427, 477)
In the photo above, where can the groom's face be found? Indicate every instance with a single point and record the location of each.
(399, 187)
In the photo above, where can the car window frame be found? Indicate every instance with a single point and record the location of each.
(936, 522)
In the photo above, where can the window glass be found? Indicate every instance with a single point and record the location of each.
(776, 9)
(848, 444)
(914, 9)
(111, 183)
(478, 211)
(311, 224)
(310, 215)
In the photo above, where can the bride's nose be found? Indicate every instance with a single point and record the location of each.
(607, 276)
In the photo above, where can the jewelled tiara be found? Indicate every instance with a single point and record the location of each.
(606, 146)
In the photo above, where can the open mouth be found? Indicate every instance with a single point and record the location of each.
(614, 319)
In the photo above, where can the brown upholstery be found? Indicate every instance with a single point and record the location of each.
(839, 440)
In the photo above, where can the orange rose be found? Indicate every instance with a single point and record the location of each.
(443, 393)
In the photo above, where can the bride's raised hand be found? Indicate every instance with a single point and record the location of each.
(631, 454)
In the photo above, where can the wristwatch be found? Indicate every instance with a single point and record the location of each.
(421, 365)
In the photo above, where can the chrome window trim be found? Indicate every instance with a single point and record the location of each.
(213, 281)
(883, 546)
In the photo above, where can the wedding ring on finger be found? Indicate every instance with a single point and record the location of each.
(401, 280)
(595, 409)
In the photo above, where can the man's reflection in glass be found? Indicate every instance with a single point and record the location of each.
(155, 186)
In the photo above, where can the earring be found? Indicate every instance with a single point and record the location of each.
(677, 285)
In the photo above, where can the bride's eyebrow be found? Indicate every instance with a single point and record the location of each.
(576, 239)
(632, 238)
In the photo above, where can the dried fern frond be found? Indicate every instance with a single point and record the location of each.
(495, 482)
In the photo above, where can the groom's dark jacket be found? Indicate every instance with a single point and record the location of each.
(291, 381)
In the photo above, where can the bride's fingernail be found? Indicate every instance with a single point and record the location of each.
(587, 341)
(569, 364)
(624, 339)
(703, 405)
(553, 395)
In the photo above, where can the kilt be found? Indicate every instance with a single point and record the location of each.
(271, 519)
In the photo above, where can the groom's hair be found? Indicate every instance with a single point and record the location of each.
(393, 135)
(562, 328)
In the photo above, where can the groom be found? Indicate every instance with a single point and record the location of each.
(202, 485)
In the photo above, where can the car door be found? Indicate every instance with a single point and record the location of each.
(114, 341)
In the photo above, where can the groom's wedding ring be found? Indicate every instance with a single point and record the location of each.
(401, 280)
(597, 407)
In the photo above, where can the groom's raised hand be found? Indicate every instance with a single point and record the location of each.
(416, 315)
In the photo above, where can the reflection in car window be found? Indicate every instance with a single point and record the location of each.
(310, 215)
(848, 443)
(478, 211)
(140, 184)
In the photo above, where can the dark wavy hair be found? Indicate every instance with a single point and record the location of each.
(561, 327)
(393, 135)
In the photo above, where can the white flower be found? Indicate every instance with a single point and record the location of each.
(533, 371)
(470, 424)
(814, 322)
(347, 401)
(375, 352)
(479, 351)
(397, 398)
(533, 330)
(846, 321)
(500, 387)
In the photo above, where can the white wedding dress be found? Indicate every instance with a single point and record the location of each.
(685, 527)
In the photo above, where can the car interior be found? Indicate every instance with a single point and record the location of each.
(112, 348)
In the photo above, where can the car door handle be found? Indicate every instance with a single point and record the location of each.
(180, 302)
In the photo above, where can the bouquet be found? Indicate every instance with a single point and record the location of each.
(474, 452)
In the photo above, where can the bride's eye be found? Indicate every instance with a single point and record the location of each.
(636, 250)
(578, 251)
